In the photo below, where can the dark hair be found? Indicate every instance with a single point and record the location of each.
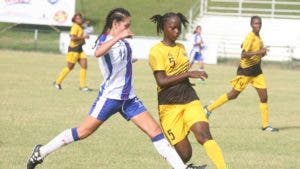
(75, 15)
(161, 20)
(117, 14)
(254, 17)
(197, 28)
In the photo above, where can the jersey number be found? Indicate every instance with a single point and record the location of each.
(171, 135)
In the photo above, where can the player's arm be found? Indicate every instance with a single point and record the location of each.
(262, 52)
(104, 47)
(76, 38)
(163, 80)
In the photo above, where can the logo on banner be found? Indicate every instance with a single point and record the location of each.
(60, 16)
(53, 1)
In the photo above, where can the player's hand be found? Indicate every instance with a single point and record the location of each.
(86, 36)
(263, 51)
(126, 33)
(198, 74)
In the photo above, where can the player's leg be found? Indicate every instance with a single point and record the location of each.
(82, 74)
(233, 94)
(134, 110)
(239, 83)
(147, 124)
(100, 111)
(259, 83)
(203, 136)
(200, 61)
(89, 125)
(196, 121)
(184, 149)
(72, 58)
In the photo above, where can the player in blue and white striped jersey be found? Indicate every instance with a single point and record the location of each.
(116, 95)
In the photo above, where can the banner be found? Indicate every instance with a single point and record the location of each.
(39, 12)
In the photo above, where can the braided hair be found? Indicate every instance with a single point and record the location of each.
(160, 20)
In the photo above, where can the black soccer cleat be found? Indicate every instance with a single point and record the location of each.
(191, 166)
(35, 157)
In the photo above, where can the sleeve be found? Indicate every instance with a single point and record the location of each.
(74, 30)
(247, 44)
(156, 61)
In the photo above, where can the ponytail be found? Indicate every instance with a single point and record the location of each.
(158, 19)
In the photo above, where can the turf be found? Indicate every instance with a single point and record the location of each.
(32, 111)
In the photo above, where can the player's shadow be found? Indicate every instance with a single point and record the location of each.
(289, 128)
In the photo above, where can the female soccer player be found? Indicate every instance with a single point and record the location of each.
(75, 54)
(116, 95)
(180, 110)
(249, 72)
(198, 45)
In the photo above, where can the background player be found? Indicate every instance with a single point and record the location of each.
(198, 45)
(249, 72)
(116, 95)
(75, 54)
(180, 110)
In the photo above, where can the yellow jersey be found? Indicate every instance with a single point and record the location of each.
(76, 30)
(251, 66)
(172, 60)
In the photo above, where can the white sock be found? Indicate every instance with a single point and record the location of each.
(64, 138)
(168, 152)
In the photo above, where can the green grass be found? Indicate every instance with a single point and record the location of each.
(32, 111)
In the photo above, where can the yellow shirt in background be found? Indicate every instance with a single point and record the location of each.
(76, 30)
(252, 43)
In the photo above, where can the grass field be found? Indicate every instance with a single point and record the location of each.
(32, 111)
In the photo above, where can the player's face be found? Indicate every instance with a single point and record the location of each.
(172, 28)
(78, 19)
(124, 24)
(256, 25)
(198, 30)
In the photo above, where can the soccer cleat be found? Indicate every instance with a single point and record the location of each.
(270, 128)
(85, 89)
(207, 112)
(35, 157)
(191, 166)
(57, 86)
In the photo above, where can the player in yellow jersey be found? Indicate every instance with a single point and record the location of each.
(249, 72)
(180, 110)
(75, 54)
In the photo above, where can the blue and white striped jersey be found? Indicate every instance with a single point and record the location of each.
(116, 69)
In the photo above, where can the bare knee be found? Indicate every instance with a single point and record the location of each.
(201, 132)
(264, 99)
(84, 132)
(70, 66)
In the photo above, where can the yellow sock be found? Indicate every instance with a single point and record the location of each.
(264, 114)
(62, 75)
(219, 102)
(82, 77)
(215, 154)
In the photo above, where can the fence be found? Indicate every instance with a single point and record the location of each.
(265, 8)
